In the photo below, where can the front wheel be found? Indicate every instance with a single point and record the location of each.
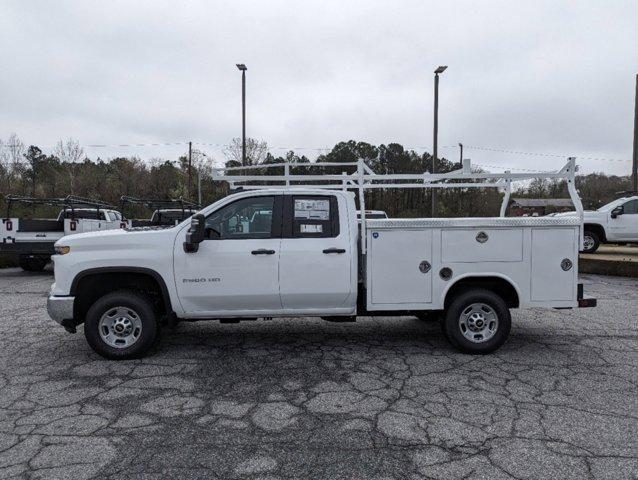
(591, 242)
(121, 325)
(477, 322)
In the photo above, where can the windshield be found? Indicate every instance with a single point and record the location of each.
(610, 206)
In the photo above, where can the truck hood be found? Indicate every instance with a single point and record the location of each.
(586, 214)
(116, 238)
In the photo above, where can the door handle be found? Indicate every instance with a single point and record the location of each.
(263, 251)
(334, 250)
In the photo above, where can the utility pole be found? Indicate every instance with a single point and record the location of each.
(634, 168)
(435, 142)
(243, 69)
(461, 154)
(190, 162)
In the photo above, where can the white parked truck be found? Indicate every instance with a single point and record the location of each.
(166, 212)
(616, 222)
(32, 239)
(298, 250)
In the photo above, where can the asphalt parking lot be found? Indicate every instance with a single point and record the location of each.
(304, 398)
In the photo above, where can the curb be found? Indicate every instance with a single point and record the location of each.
(617, 268)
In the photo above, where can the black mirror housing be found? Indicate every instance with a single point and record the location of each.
(196, 233)
(617, 211)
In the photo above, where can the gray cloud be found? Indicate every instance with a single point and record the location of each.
(531, 76)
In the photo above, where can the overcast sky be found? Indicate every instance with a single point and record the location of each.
(549, 77)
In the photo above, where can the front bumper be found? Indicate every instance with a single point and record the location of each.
(60, 309)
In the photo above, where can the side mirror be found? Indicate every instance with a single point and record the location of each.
(196, 233)
(617, 211)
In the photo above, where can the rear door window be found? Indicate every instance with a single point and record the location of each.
(311, 216)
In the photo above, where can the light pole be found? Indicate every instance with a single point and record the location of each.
(634, 167)
(435, 146)
(243, 69)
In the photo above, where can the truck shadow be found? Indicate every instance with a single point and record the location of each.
(299, 334)
(18, 272)
(297, 338)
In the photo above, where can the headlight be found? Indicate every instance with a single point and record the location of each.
(62, 250)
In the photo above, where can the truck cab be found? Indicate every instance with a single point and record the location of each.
(272, 253)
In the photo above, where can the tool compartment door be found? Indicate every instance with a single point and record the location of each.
(396, 276)
(551, 280)
(472, 245)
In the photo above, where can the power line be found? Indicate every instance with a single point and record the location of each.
(536, 154)
(501, 167)
(321, 149)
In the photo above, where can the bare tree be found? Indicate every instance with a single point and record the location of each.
(5, 166)
(16, 150)
(256, 151)
(11, 159)
(70, 152)
(203, 164)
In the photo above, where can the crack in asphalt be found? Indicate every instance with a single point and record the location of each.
(384, 398)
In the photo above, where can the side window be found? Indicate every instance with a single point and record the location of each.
(102, 216)
(247, 218)
(630, 207)
(312, 216)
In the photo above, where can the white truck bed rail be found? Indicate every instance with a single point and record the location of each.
(364, 178)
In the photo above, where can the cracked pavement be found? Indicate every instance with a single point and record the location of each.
(382, 398)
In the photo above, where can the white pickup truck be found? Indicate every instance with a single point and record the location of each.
(295, 251)
(32, 239)
(616, 222)
(166, 212)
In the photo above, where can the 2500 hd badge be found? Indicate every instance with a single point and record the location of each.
(201, 280)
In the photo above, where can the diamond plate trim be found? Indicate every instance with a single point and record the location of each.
(475, 222)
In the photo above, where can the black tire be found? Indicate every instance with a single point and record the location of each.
(139, 308)
(482, 306)
(592, 240)
(30, 263)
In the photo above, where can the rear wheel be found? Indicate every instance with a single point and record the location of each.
(478, 321)
(591, 242)
(33, 263)
(121, 325)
